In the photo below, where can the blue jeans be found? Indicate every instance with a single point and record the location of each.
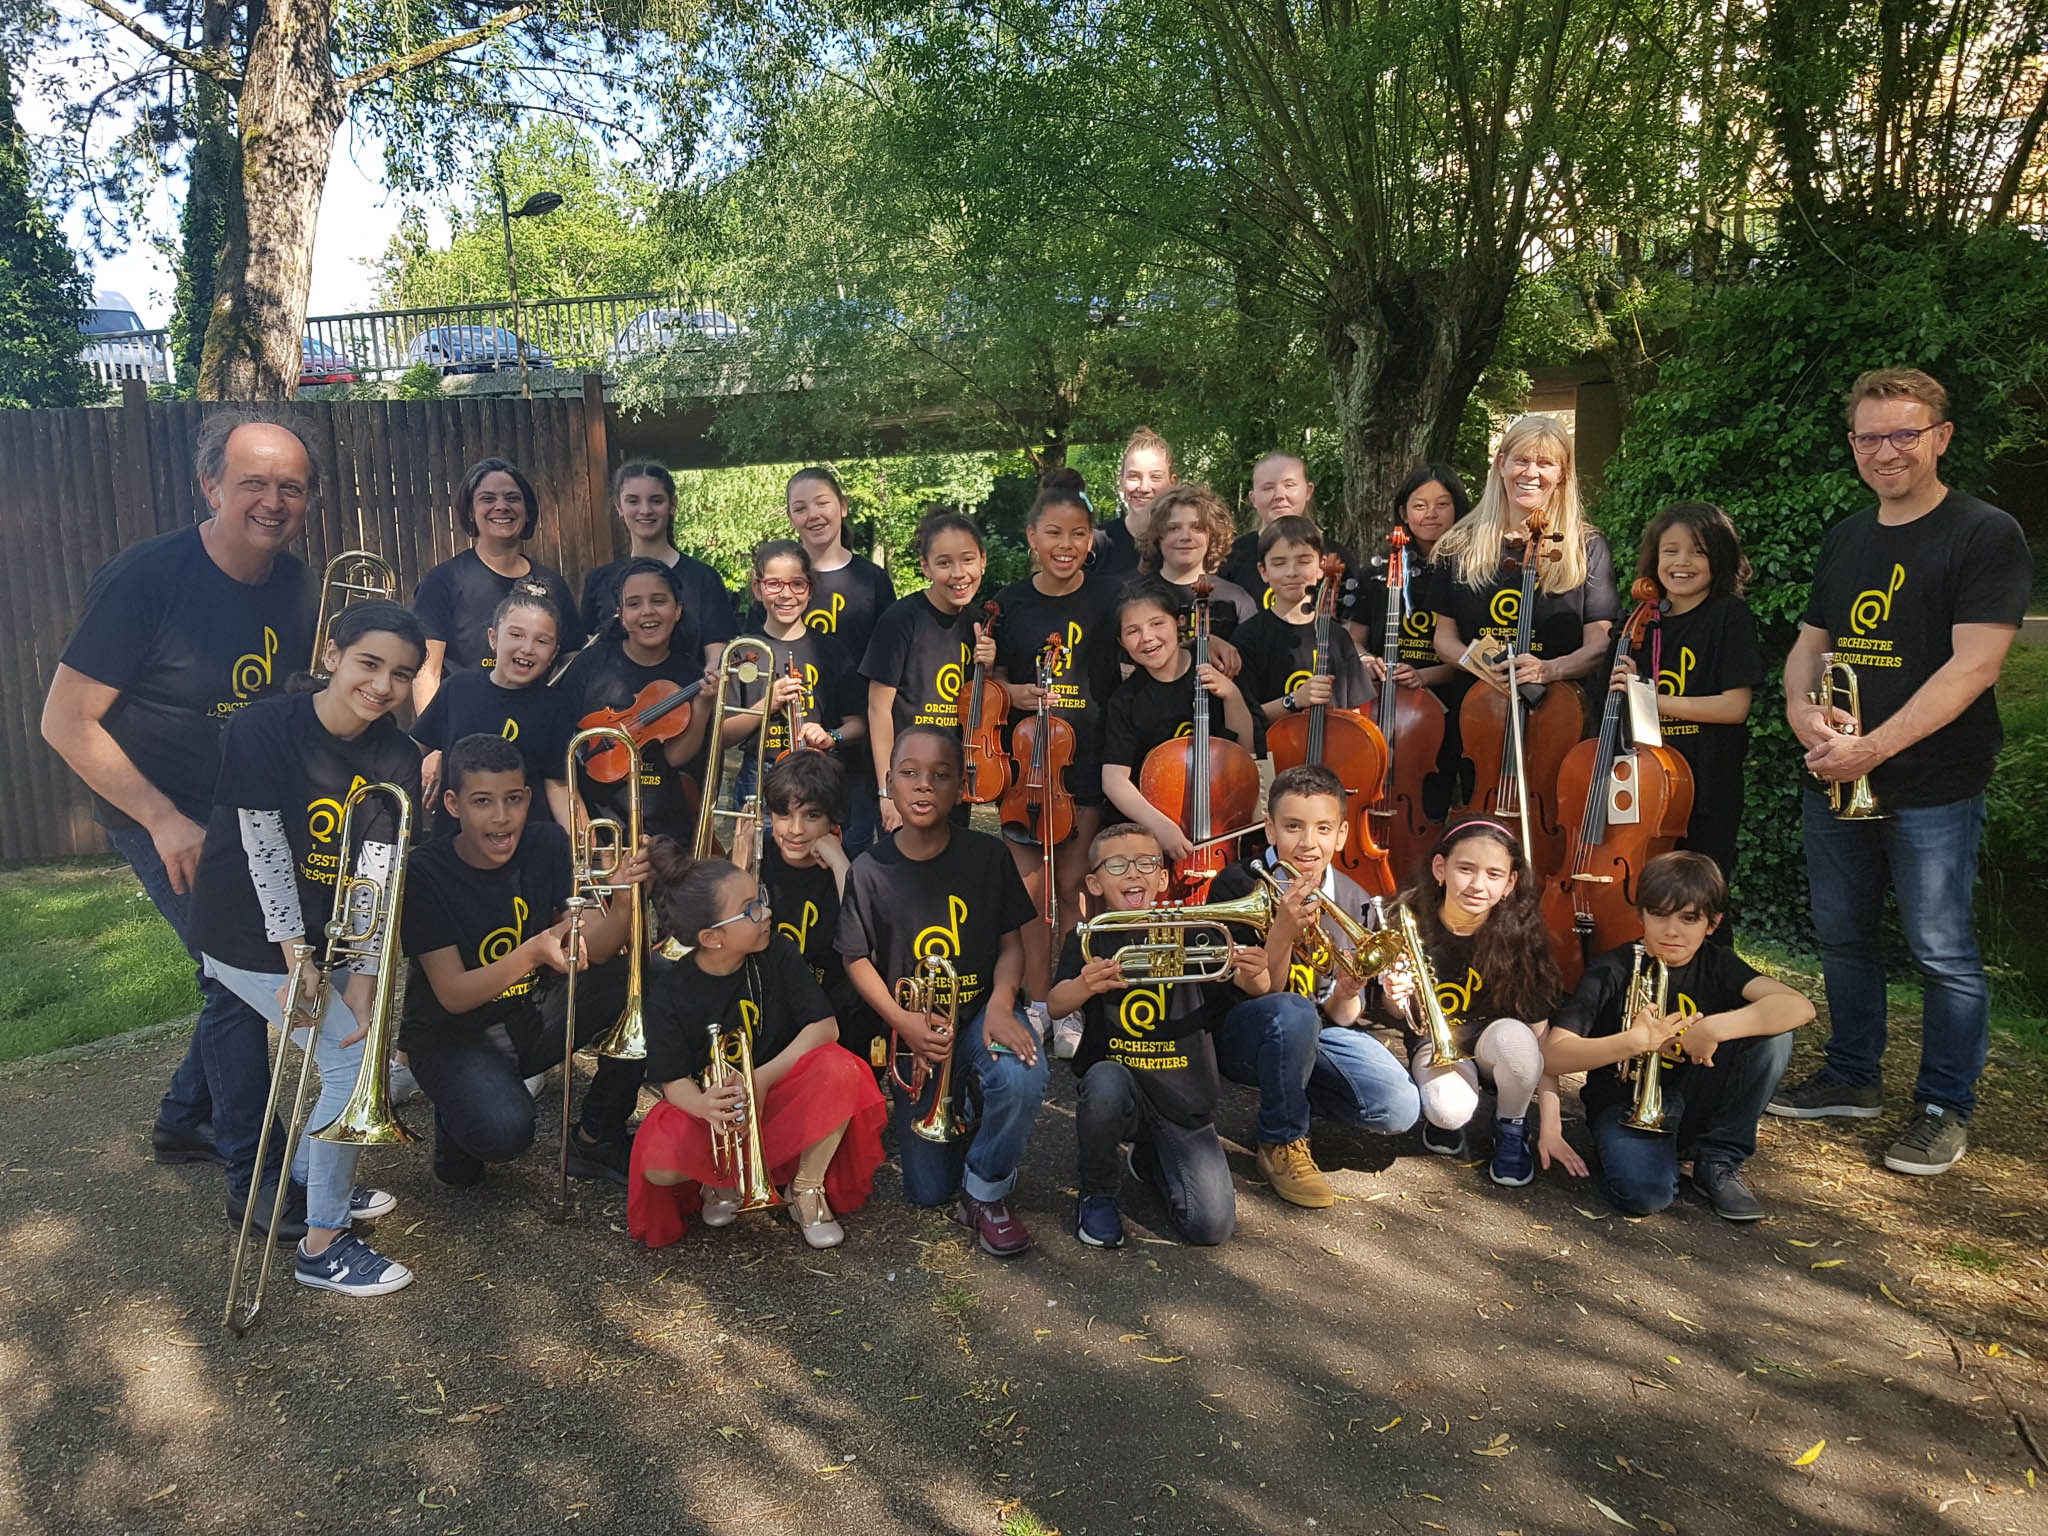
(1194, 1174)
(1278, 1044)
(225, 1076)
(982, 1166)
(1715, 1110)
(1928, 854)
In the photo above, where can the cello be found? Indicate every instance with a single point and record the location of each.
(1040, 798)
(1411, 720)
(988, 766)
(1517, 734)
(1343, 740)
(1625, 803)
(1209, 785)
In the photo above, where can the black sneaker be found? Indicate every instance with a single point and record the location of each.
(1097, 1222)
(1826, 1096)
(1444, 1143)
(1722, 1188)
(293, 1225)
(1933, 1142)
(174, 1144)
(607, 1160)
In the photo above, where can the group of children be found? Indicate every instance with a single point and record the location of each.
(871, 875)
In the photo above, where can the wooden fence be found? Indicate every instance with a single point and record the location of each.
(78, 486)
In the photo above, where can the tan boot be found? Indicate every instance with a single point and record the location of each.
(1295, 1178)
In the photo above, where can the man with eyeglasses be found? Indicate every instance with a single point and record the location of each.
(1921, 596)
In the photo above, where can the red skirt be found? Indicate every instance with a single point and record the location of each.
(827, 1087)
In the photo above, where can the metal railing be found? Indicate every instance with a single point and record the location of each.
(117, 355)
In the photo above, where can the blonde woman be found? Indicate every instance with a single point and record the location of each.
(1145, 470)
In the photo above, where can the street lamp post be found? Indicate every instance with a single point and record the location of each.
(536, 206)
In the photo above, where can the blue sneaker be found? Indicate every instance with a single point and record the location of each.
(1098, 1222)
(366, 1204)
(1444, 1143)
(1514, 1160)
(352, 1267)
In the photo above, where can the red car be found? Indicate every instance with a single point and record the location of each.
(321, 364)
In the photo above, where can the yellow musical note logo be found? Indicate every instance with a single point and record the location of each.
(1301, 978)
(500, 942)
(826, 620)
(1142, 1009)
(1873, 607)
(1295, 680)
(1506, 607)
(323, 816)
(1422, 625)
(750, 1022)
(942, 938)
(1186, 728)
(1456, 1000)
(798, 933)
(1673, 683)
(1266, 602)
(952, 675)
(511, 731)
(251, 673)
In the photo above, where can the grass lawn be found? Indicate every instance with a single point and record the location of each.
(83, 955)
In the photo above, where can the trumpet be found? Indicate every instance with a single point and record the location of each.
(1181, 942)
(354, 575)
(1648, 987)
(746, 661)
(736, 1149)
(599, 849)
(1371, 951)
(1838, 682)
(1443, 1040)
(362, 926)
(933, 988)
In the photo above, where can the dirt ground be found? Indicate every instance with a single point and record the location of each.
(1433, 1354)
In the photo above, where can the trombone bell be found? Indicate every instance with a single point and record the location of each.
(353, 576)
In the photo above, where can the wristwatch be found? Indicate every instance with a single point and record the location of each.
(836, 737)
(1290, 706)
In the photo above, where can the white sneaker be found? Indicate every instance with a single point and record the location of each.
(404, 1086)
(535, 1083)
(1066, 1035)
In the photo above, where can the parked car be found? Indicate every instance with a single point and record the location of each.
(472, 349)
(119, 346)
(322, 364)
(656, 330)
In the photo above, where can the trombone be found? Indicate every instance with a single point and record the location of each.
(933, 988)
(1838, 682)
(363, 926)
(1648, 987)
(599, 849)
(353, 576)
(747, 661)
(736, 1151)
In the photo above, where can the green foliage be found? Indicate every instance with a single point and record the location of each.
(1749, 415)
(210, 191)
(43, 295)
(422, 381)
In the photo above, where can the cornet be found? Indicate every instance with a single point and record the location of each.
(747, 661)
(364, 926)
(1838, 683)
(353, 576)
(1370, 951)
(736, 1149)
(932, 989)
(1181, 943)
(1436, 1024)
(1648, 987)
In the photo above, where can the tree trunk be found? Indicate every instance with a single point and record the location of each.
(290, 111)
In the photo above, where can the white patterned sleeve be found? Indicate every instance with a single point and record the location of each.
(270, 868)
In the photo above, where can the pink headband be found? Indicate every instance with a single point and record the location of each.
(1481, 823)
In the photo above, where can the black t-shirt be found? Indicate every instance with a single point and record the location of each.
(1229, 606)
(1561, 618)
(1709, 650)
(1711, 982)
(1241, 566)
(605, 677)
(1085, 621)
(806, 903)
(1160, 1030)
(483, 915)
(277, 756)
(535, 719)
(1888, 597)
(1116, 552)
(1417, 632)
(456, 599)
(707, 605)
(1144, 712)
(771, 996)
(185, 646)
(926, 656)
(1238, 880)
(1279, 656)
(960, 904)
(845, 603)
(833, 689)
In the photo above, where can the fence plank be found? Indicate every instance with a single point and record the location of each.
(20, 811)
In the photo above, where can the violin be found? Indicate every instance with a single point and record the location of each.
(1625, 803)
(1412, 722)
(1208, 784)
(989, 767)
(1344, 740)
(658, 712)
(1517, 735)
(1039, 798)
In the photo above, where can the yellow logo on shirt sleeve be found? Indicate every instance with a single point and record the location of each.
(1873, 607)
(251, 673)
(825, 620)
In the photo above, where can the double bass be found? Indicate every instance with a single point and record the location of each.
(1517, 734)
(1411, 721)
(1209, 785)
(988, 764)
(1342, 740)
(1039, 798)
(1625, 803)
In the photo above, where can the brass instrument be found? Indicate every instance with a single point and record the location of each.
(1371, 951)
(1838, 681)
(365, 909)
(599, 849)
(747, 661)
(932, 989)
(354, 575)
(1648, 987)
(1181, 942)
(1443, 1041)
(736, 1149)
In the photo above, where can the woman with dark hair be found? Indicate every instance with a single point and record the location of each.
(497, 509)
(644, 496)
